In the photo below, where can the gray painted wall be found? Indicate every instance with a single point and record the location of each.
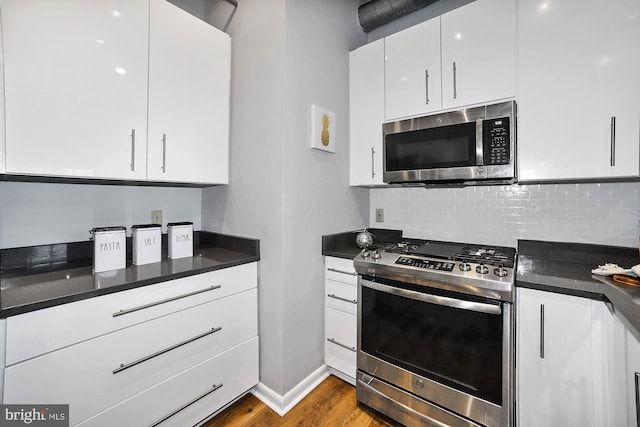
(38, 213)
(286, 56)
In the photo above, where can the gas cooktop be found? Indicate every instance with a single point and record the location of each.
(469, 268)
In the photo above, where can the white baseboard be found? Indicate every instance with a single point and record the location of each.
(282, 404)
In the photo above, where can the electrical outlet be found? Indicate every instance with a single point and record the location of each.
(379, 215)
(156, 217)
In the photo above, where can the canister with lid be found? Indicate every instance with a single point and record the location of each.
(109, 248)
(180, 237)
(147, 243)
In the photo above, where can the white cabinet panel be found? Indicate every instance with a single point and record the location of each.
(189, 84)
(343, 297)
(554, 354)
(340, 347)
(579, 63)
(76, 87)
(366, 114)
(479, 38)
(103, 371)
(412, 71)
(632, 380)
(235, 371)
(41, 331)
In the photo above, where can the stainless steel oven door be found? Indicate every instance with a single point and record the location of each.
(449, 349)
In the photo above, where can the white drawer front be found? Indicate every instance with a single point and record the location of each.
(39, 332)
(89, 375)
(342, 296)
(236, 370)
(341, 270)
(340, 344)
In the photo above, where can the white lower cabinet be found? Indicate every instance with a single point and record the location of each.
(137, 375)
(632, 378)
(341, 303)
(183, 399)
(558, 374)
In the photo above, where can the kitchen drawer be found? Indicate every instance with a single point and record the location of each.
(342, 296)
(341, 270)
(96, 374)
(340, 344)
(235, 371)
(42, 331)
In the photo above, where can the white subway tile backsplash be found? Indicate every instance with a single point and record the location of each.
(601, 213)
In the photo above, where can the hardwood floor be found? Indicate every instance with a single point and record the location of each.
(332, 403)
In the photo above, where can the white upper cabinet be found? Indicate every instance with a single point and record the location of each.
(366, 113)
(189, 83)
(478, 53)
(76, 87)
(412, 71)
(578, 89)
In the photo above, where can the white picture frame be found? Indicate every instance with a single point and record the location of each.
(323, 129)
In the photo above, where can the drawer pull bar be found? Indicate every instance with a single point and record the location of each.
(133, 150)
(186, 405)
(638, 397)
(123, 366)
(153, 304)
(331, 340)
(335, 270)
(352, 301)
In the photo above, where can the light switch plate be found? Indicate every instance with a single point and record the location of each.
(379, 215)
(156, 217)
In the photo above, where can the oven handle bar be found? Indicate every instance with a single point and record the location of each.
(435, 299)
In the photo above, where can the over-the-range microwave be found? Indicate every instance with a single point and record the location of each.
(474, 145)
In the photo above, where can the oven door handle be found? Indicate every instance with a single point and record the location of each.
(435, 299)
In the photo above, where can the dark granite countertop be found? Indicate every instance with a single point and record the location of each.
(343, 245)
(566, 268)
(38, 277)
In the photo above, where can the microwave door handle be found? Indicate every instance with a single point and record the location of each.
(434, 299)
(479, 142)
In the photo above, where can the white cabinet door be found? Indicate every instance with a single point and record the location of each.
(632, 381)
(366, 114)
(412, 71)
(478, 53)
(189, 84)
(579, 63)
(555, 384)
(76, 87)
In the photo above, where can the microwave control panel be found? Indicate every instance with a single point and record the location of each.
(496, 141)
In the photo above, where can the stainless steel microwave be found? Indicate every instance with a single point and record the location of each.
(469, 146)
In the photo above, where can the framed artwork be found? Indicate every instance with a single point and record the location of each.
(323, 129)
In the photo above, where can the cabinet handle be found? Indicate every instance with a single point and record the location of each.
(541, 331)
(373, 171)
(426, 85)
(335, 270)
(331, 340)
(638, 398)
(186, 405)
(352, 301)
(133, 150)
(125, 366)
(455, 83)
(164, 152)
(613, 140)
(153, 304)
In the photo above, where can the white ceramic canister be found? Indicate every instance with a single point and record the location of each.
(180, 237)
(109, 248)
(147, 243)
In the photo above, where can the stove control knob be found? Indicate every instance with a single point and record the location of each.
(464, 266)
(482, 269)
(365, 254)
(376, 254)
(500, 271)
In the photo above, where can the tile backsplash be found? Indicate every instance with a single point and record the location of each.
(601, 213)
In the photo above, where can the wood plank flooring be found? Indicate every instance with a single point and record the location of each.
(332, 403)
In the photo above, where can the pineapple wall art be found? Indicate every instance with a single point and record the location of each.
(323, 129)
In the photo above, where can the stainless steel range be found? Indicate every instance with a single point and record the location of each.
(435, 341)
